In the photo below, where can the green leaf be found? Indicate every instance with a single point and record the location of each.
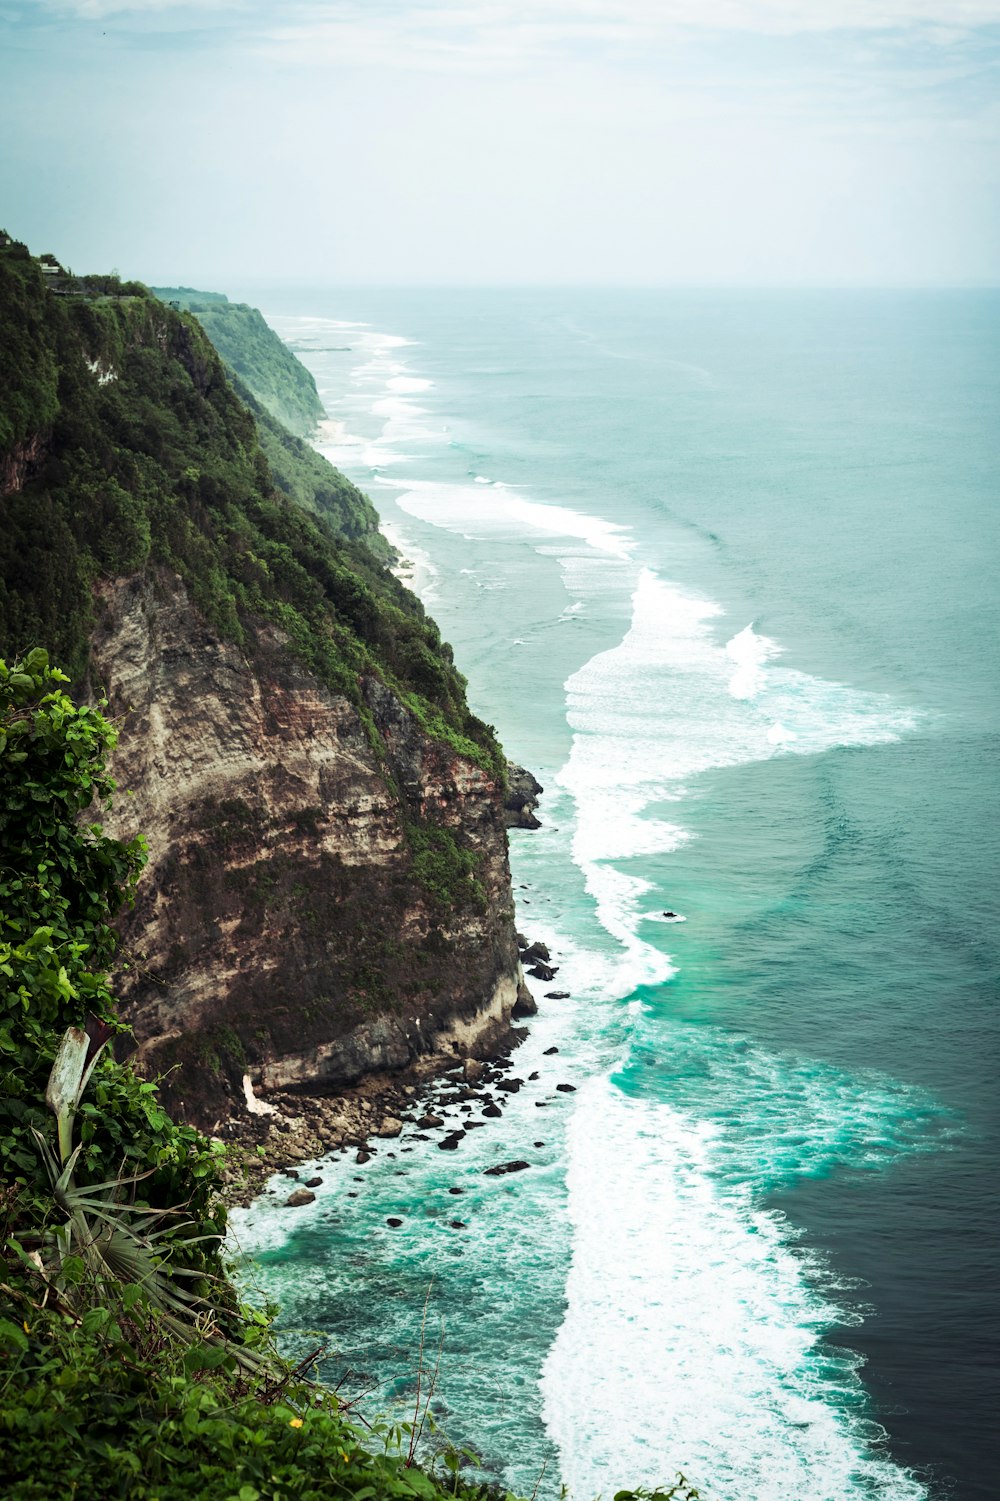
(12, 1336)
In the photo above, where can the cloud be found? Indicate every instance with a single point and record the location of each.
(504, 35)
(548, 21)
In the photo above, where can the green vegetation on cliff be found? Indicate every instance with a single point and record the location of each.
(128, 1366)
(312, 482)
(253, 351)
(124, 448)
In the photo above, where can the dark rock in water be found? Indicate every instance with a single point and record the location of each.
(522, 798)
(450, 1143)
(525, 1005)
(538, 1143)
(537, 951)
(510, 1086)
(566, 1088)
(542, 971)
(290, 1172)
(456, 1190)
(670, 914)
(522, 942)
(313, 1182)
(298, 1198)
(549, 1051)
(557, 995)
(540, 1104)
(394, 1222)
(493, 1111)
(502, 1168)
(532, 1077)
(458, 1224)
(363, 1156)
(473, 1070)
(471, 1125)
(428, 1121)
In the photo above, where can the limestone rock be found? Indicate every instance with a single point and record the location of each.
(280, 886)
(522, 798)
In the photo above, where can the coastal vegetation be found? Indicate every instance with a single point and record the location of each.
(129, 1367)
(130, 450)
(253, 352)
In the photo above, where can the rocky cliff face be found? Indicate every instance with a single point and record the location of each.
(327, 892)
(18, 463)
(286, 926)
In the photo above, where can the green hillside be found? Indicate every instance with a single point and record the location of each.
(125, 448)
(253, 351)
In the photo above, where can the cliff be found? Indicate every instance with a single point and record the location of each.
(327, 890)
(251, 350)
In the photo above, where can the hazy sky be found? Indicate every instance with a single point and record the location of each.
(485, 141)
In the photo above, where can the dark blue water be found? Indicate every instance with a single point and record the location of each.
(721, 568)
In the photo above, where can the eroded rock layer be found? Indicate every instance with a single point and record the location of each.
(321, 901)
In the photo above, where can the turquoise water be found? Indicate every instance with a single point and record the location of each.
(721, 570)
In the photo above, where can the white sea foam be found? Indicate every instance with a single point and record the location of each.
(749, 653)
(690, 1339)
(495, 510)
(690, 1331)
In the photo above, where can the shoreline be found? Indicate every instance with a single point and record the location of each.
(280, 1129)
(286, 1129)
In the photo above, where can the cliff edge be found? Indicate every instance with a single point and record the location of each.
(328, 890)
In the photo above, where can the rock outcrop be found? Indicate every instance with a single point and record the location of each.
(327, 894)
(282, 930)
(523, 792)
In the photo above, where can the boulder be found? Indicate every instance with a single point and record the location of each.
(537, 951)
(450, 1143)
(390, 1127)
(542, 971)
(313, 1182)
(472, 1070)
(298, 1198)
(566, 1088)
(427, 1121)
(522, 798)
(549, 1051)
(525, 1005)
(557, 995)
(503, 1168)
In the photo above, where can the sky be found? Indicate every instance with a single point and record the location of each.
(486, 142)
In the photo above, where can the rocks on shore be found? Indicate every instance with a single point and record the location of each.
(503, 1168)
(525, 1005)
(298, 1198)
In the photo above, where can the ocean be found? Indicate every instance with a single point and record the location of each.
(721, 569)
